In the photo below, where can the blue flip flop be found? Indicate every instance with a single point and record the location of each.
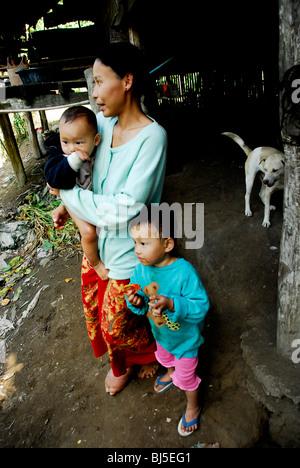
(166, 385)
(185, 424)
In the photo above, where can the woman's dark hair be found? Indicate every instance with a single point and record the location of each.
(123, 58)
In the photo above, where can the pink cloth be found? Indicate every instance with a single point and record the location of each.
(184, 376)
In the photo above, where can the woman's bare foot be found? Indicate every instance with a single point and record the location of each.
(114, 384)
(148, 370)
(101, 271)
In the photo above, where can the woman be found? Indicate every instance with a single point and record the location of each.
(128, 173)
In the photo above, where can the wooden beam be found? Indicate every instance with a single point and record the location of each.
(43, 103)
(12, 148)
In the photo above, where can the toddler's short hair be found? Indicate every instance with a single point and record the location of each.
(161, 217)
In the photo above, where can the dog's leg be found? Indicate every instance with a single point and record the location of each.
(262, 196)
(265, 196)
(249, 184)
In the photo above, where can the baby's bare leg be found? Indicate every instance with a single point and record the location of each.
(89, 241)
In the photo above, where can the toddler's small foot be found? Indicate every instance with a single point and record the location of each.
(189, 421)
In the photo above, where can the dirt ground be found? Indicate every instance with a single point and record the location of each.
(59, 399)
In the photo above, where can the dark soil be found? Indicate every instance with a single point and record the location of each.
(59, 398)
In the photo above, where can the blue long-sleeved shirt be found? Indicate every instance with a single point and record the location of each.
(180, 282)
(124, 179)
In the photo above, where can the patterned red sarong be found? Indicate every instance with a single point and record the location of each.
(112, 327)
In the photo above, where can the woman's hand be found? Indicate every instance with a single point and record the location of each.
(60, 216)
(54, 191)
(101, 271)
(160, 303)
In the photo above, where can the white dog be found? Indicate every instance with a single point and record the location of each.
(270, 162)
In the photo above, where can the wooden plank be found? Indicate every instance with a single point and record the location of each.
(36, 89)
(12, 148)
(52, 101)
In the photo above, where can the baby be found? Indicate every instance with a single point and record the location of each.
(79, 139)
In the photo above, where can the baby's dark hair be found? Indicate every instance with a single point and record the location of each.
(73, 113)
(161, 217)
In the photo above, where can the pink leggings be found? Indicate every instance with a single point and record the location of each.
(184, 375)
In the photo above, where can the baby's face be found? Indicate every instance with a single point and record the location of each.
(77, 136)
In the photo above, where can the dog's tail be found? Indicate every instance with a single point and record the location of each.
(239, 141)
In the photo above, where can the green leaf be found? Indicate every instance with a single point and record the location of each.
(17, 294)
(15, 261)
(47, 246)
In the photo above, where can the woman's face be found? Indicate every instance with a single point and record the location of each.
(109, 90)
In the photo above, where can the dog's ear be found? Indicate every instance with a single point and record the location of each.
(262, 161)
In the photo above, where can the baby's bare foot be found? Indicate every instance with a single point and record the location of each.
(148, 370)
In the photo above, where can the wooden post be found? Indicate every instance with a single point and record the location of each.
(44, 120)
(12, 148)
(32, 135)
(288, 324)
(88, 73)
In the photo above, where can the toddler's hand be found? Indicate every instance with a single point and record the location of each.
(135, 299)
(160, 303)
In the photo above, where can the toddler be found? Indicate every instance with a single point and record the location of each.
(172, 289)
(79, 139)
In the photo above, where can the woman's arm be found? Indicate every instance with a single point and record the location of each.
(140, 186)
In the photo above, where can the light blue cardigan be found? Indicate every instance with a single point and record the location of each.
(124, 178)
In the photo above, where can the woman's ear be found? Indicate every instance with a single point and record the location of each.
(128, 81)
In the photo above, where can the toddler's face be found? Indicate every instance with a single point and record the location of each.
(149, 248)
(77, 136)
